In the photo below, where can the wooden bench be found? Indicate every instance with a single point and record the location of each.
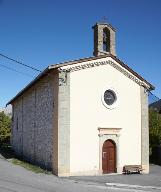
(128, 169)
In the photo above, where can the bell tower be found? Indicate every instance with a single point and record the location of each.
(104, 39)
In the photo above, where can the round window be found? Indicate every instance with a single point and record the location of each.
(109, 97)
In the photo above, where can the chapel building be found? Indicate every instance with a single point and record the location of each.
(84, 117)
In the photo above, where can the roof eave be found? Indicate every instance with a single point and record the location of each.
(29, 85)
(147, 85)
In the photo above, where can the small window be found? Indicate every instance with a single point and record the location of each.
(104, 46)
(106, 40)
(17, 123)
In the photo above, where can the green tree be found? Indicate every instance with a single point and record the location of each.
(154, 128)
(5, 128)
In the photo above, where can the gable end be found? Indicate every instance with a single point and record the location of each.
(111, 63)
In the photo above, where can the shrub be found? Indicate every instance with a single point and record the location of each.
(154, 128)
(5, 128)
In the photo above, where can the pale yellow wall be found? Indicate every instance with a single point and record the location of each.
(87, 114)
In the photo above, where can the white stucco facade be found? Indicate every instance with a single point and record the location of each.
(88, 114)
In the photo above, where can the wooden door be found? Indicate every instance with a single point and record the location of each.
(109, 157)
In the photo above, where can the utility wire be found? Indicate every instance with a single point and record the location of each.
(150, 93)
(9, 58)
(33, 68)
(12, 69)
(152, 98)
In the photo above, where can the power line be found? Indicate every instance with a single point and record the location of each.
(152, 98)
(150, 93)
(9, 58)
(12, 69)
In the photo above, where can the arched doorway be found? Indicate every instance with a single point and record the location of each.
(109, 157)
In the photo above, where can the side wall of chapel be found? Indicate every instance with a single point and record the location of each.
(34, 126)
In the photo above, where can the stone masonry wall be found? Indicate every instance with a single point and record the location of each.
(98, 39)
(144, 130)
(35, 113)
(64, 124)
(17, 128)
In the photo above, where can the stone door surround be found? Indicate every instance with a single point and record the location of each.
(109, 134)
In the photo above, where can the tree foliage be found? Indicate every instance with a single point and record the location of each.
(5, 128)
(154, 128)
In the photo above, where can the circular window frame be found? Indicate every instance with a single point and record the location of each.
(114, 105)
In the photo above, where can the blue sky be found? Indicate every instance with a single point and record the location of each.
(44, 32)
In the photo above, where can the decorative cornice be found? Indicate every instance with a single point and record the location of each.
(109, 131)
(109, 62)
(109, 128)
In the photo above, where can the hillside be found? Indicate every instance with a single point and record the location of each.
(156, 106)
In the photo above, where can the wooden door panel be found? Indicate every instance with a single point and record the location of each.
(108, 157)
